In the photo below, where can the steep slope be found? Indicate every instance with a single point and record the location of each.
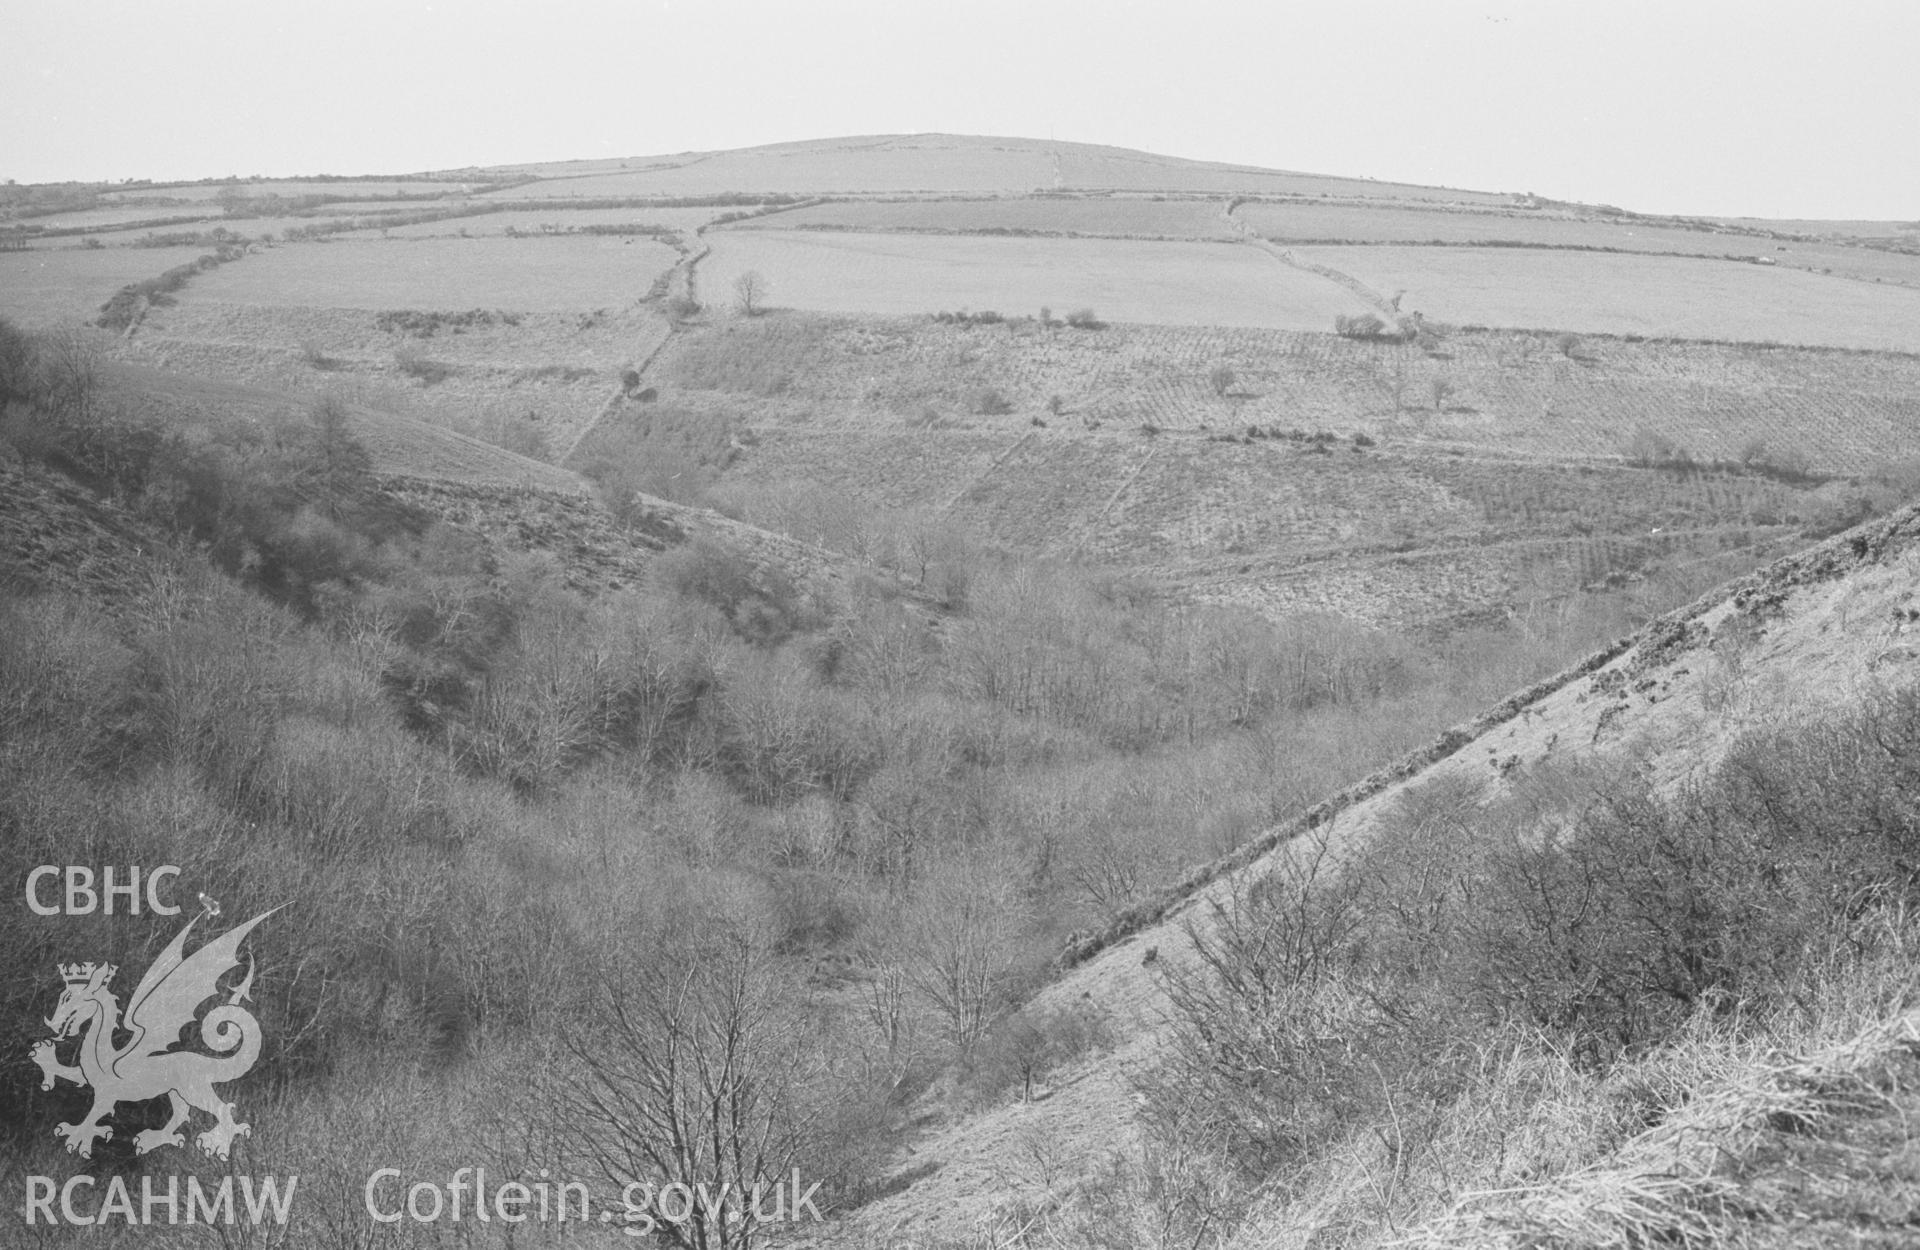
(1818, 630)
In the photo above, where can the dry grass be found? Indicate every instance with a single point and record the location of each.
(1701, 1175)
(1123, 280)
(449, 274)
(1663, 297)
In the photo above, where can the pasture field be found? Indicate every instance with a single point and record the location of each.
(554, 217)
(1299, 221)
(1111, 216)
(1667, 297)
(108, 218)
(530, 275)
(49, 286)
(1834, 229)
(881, 168)
(1122, 280)
(1117, 170)
(369, 187)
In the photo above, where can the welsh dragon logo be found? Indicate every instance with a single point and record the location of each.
(147, 1066)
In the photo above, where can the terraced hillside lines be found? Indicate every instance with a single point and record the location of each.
(1112, 217)
(1122, 280)
(63, 286)
(522, 275)
(548, 370)
(1520, 393)
(1672, 297)
(903, 470)
(1046, 497)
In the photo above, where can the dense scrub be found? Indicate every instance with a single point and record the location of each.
(1482, 958)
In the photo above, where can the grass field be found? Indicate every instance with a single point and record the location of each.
(294, 186)
(1302, 221)
(878, 169)
(95, 218)
(557, 217)
(1135, 171)
(1115, 216)
(45, 286)
(534, 275)
(1672, 297)
(1122, 280)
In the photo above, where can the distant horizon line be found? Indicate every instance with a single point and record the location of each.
(452, 172)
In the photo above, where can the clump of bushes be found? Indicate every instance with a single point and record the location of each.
(425, 325)
(989, 402)
(1364, 326)
(1084, 319)
(420, 368)
(985, 317)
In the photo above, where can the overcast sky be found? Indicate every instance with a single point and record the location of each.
(1761, 107)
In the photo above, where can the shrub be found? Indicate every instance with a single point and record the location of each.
(16, 364)
(989, 402)
(427, 372)
(1220, 380)
(1084, 319)
(682, 307)
(1361, 326)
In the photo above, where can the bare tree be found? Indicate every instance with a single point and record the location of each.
(699, 1078)
(965, 953)
(750, 292)
(68, 363)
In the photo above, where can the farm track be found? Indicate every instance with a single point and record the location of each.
(652, 353)
(682, 274)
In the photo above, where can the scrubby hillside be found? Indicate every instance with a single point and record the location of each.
(1626, 958)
